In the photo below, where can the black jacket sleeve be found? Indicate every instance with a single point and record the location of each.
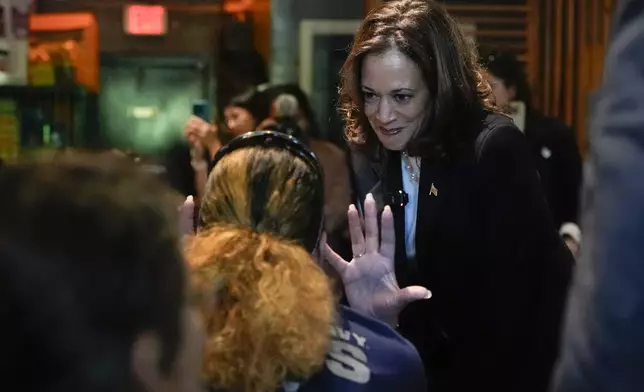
(567, 176)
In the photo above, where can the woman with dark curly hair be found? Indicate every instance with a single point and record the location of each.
(471, 221)
(273, 321)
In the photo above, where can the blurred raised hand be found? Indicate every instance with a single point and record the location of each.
(202, 134)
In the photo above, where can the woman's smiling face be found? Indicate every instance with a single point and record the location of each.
(395, 97)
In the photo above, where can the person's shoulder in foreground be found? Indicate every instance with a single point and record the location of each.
(368, 355)
(603, 339)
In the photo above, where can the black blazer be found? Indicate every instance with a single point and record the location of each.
(556, 155)
(487, 247)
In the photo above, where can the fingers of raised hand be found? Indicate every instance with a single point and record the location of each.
(410, 294)
(192, 123)
(197, 127)
(334, 259)
(387, 235)
(355, 231)
(372, 240)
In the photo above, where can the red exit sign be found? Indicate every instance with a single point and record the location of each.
(150, 20)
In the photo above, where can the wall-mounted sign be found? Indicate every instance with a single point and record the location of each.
(142, 112)
(145, 20)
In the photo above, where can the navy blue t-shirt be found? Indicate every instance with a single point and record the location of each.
(367, 355)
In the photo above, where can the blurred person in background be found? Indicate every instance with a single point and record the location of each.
(242, 114)
(271, 318)
(285, 117)
(603, 340)
(305, 114)
(245, 112)
(259, 111)
(93, 282)
(553, 144)
(290, 105)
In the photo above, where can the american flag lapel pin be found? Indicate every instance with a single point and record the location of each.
(433, 191)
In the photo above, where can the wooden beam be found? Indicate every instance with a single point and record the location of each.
(370, 4)
(501, 33)
(557, 73)
(547, 58)
(486, 8)
(569, 75)
(486, 19)
(583, 72)
(533, 60)
(262, 28)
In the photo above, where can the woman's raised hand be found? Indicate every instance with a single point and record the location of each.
(369, 278)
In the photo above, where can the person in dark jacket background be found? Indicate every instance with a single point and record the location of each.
(553, 143)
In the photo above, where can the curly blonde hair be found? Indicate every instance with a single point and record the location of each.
(273, 311)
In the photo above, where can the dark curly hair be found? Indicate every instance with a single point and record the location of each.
(459, 95)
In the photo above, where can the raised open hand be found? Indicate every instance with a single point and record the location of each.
(369, 278)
